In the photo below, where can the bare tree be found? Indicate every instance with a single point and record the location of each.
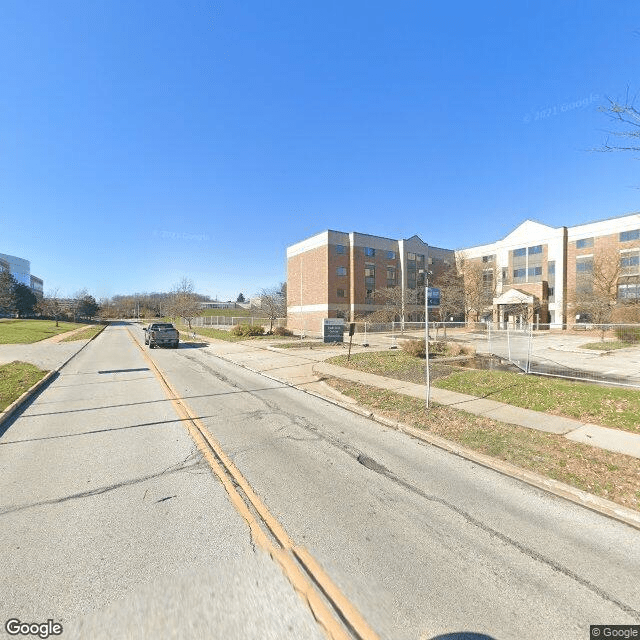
(596, 292)
(273, 303)
(478, 290)
(76, 303)
(392, 305)
(627, 118)
(185, 302)
(49, 305)
(451, 286)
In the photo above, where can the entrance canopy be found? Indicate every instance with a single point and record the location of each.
(512, 297)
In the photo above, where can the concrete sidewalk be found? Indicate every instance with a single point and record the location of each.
(44, 354)
(305, 368)
(595, 435)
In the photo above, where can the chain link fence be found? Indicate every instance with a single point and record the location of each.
(225, 322)
(606, 354)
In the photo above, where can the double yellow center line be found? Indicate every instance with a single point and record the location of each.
(330, 607)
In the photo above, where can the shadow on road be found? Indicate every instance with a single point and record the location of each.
(463, 635)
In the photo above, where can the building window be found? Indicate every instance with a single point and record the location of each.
(488, 258)
(551, 293)
(551, 268)
(626, 236)
(340, 293)
(584, 265)
(391, 255)
(487, 281)
(519, 253)
(519, 275)
(535, 271)
(411, 256)
(584, 271)
(629, 291)
(391, 277)
(534, 250)
(369, 296)
(630, 263)
(584, 243)
(341, 271)
(341, 249)
(368, 251)
(370, 270)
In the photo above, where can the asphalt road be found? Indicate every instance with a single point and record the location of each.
(112, 521)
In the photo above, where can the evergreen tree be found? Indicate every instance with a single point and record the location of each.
(7, 293)
(88, 307)
(24, 299)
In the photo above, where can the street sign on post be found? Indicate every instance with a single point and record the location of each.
(352, 330)
(333, 330)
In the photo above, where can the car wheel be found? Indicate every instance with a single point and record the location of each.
(151, 345)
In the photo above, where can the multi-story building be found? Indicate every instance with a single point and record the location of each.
(20, 269)
(335, 274)
(539, 273)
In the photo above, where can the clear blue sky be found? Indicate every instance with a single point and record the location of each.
(145, 141)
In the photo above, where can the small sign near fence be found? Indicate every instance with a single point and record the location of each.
(333, 330)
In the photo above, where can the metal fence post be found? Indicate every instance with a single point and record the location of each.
(528, 367)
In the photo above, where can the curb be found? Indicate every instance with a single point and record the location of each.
(38, 386)
(11, 409)
(594, 503)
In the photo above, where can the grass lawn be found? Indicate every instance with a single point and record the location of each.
(15, 378)
(26, 331)
(296, 343)
(87, 334)
(610, 475)
(607, 345)
(396, 364)
(219, 334)
(607, 406)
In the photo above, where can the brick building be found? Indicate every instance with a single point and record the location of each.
(334, 274)
(538, 272)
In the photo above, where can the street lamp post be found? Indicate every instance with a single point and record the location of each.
(426, 328)
(426, 338)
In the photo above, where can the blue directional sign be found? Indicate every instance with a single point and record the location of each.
(433, 297)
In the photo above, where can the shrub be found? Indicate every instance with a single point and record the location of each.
(414, 348)
(630, 335)
(246, 330)
(468, 350)
(282, 331)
